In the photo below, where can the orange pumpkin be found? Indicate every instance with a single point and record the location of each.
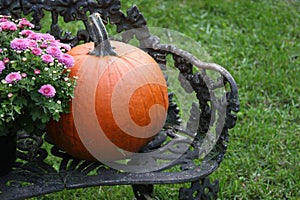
(120, 101)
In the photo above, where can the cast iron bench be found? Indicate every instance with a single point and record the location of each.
(214, 113)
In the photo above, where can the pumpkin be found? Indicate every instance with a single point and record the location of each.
(120, 100)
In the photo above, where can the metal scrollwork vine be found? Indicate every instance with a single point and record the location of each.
(71, 10)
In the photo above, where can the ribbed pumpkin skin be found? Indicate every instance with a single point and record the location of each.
(113, 100)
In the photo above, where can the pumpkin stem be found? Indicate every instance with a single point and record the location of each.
(100, 37)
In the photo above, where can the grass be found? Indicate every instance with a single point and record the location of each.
(258, 41)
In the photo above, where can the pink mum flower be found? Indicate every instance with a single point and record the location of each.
(35, 36)
(19, 44)
(13, 77)
(37, 71)
(54, 51)
(47, 90)
(2, 66)
(32, 43)
(44, 44)
(47, 36)
(8, 26)
(36, 51)
(3, 19)
(25, 23)
(6, 60)
(65, 46)
(26, 32)
(46, 58)
(66, 60)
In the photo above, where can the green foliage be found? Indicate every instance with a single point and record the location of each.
(258, 42)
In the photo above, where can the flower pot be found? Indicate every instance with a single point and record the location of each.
(7, 153)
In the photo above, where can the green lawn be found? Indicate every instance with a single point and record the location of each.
(258, 41)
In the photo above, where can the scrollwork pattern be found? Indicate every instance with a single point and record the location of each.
(201, 189)
(11, 8)
(72, 10)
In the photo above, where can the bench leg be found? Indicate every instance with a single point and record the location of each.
(201, 189)
(143, 192)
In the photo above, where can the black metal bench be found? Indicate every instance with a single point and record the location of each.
(33, 174)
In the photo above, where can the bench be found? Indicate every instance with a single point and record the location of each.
(214, 113)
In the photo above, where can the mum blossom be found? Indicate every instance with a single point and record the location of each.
(47, 36)
(32, 43)
(19, 44)
(54, 51)
(26, 32)
(6, 60)
(3, 19)
(46, 58)
(2, 66)
(37, 71)
(8, 26)
(41, 36)
(44, 44)
(54, 43)
(13, 77)
(25, 23)
(65, 46)
(66, 60)
(36, 51)
(47, 90)
(35, 36)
